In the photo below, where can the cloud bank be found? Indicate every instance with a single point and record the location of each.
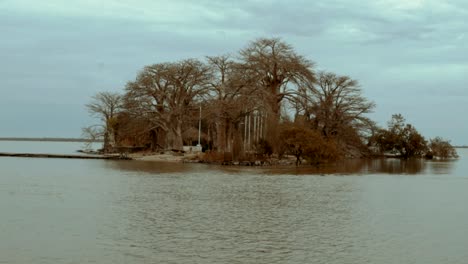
(409, 56)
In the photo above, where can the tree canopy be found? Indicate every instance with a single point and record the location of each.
(265, 100)
(164, 94)
(105, 106)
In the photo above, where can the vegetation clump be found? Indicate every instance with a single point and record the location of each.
(265, 103)
(441, 148)
(307, 144)
(404, 140)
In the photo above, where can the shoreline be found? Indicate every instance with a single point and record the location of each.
(157, 157)
(285, 161)
(174, 157)
(63, 156)
(195, 158)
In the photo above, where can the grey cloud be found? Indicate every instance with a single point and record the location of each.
(405, 62)
(306, 18)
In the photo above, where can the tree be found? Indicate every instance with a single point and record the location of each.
(105, 106)
(165, 95)
(401, 138)
(279, 72)
(232, 96)
(335, 106)
(277, 68)
(441, 148)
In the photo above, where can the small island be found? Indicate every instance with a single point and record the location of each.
(264, 104)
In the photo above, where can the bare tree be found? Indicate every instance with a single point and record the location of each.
(278, 69)
(105, 106)
(336, 107)
(233, 96)
(165, 93)
(279, 72)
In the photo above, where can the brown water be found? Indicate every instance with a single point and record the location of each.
(92, 211)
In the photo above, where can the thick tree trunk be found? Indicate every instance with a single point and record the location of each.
(221, 145)
(272, 131)
(106, 145)
(154, 140)
(109, 140)
(177, 143)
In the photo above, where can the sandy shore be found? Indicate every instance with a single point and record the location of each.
(167, 157)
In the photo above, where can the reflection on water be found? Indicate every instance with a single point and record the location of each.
(442, 167)
(360, 166)
(346, 167)
(155, 167)
(397, 166)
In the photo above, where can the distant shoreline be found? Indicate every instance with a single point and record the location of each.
(48, 139)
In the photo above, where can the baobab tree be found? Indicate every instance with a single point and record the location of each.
(233, 95)
(278, 69)
(279, 72)
(105, 106)
(165, 93)
(336, 107)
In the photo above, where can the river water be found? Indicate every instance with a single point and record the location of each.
(97, 211)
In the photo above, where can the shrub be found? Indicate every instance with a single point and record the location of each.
(441, 148)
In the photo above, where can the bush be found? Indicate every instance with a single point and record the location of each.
(441, 148)
(401, 138)
(263, 148)
(303, 142)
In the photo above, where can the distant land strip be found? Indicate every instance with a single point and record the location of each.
(48, 139)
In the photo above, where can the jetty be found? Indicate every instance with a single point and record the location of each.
(64, 156)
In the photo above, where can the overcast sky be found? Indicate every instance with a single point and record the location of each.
(410, 56)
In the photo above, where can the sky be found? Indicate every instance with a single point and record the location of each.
(410, 56)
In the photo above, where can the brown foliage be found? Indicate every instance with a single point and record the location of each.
(441, 148)
(244, 103)
(303, 142)
(401, 138)
(336, 107)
